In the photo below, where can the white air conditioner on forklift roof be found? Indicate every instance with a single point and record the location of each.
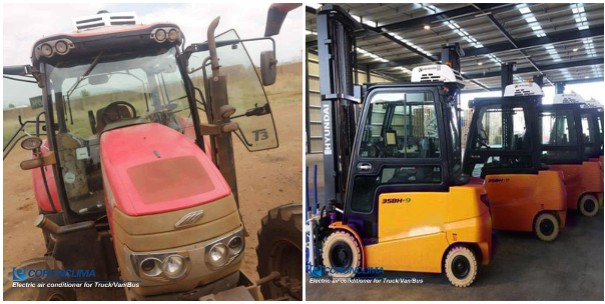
(435, 73)
(592, 103)
(523, 89)
(102, 19)
(572, 97)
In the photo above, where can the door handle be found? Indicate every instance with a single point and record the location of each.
(364, 167)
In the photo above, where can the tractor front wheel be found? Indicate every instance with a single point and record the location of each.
(280, 249)
(588, 205)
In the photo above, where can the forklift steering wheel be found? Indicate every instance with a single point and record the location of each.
(381, 150)
(114, 106)
(482, 139)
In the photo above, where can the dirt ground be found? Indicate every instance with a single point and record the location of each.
(266, 180)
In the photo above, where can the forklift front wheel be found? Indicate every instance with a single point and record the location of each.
(546, 227)
(341, 255)
(588, 205)
(461, 266)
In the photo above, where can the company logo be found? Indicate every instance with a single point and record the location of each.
(189, 219)
(19, 274)
(22, 274)
(498, 180)
(326, 118)
(396, 200)
(319, 271)
(315, 271)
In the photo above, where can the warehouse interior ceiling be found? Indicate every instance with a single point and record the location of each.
(561, 41)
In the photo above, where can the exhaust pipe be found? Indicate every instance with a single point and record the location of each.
(48, 225)
(45, 224)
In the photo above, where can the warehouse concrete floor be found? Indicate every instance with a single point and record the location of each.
(523, 268)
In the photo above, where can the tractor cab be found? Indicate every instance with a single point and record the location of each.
(104, 78)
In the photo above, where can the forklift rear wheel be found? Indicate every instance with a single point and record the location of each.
(461, 266)
(588, 205)
(546, 227)
(36, 293)
(341, 254)
(280, 249)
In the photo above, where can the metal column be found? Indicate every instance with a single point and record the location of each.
(336, 50)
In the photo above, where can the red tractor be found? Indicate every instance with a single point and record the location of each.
(135, 181)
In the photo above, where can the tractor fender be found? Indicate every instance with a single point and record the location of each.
(340, 226)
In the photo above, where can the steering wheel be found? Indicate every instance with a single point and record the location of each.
(381, 149)
(482, 138)
(113, 108)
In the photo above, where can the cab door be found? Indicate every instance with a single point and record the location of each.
(244, 89)
(399, 149)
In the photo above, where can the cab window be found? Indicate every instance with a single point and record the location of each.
(401, 125)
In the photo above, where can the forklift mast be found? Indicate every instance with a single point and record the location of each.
(337, 57)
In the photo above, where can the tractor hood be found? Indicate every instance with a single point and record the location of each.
(150, 168)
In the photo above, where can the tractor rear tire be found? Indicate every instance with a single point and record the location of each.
(341, 254)
(37, 293)
(280, 249)
(588, 205)
(546, 227)
(461, 266)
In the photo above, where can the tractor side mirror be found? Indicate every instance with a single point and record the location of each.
(268, 67)
(34, 144)
(31, 143)
(276, 15)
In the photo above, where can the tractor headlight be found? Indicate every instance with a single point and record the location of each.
(224, 251)
(173, 34)
(161, 266)
(217, 255)
(174, 266)
(160, 35)
(46, 50)
(151, 267)
(236, 244)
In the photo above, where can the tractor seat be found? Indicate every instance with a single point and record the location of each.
(122, 110)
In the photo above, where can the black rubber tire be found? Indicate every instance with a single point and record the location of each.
(546, 227)
(470, 262)
(345, 241)
(280, 249)
(35, 293)
(588, 205)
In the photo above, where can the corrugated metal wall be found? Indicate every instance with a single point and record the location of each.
(313, 115)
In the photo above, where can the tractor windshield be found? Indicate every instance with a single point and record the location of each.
(105, 92)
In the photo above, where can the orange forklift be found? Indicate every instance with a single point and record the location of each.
(592, 128)
(568, 140)
(395, 194)
(503, 148)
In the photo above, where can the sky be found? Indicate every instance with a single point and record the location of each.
(23, 24)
